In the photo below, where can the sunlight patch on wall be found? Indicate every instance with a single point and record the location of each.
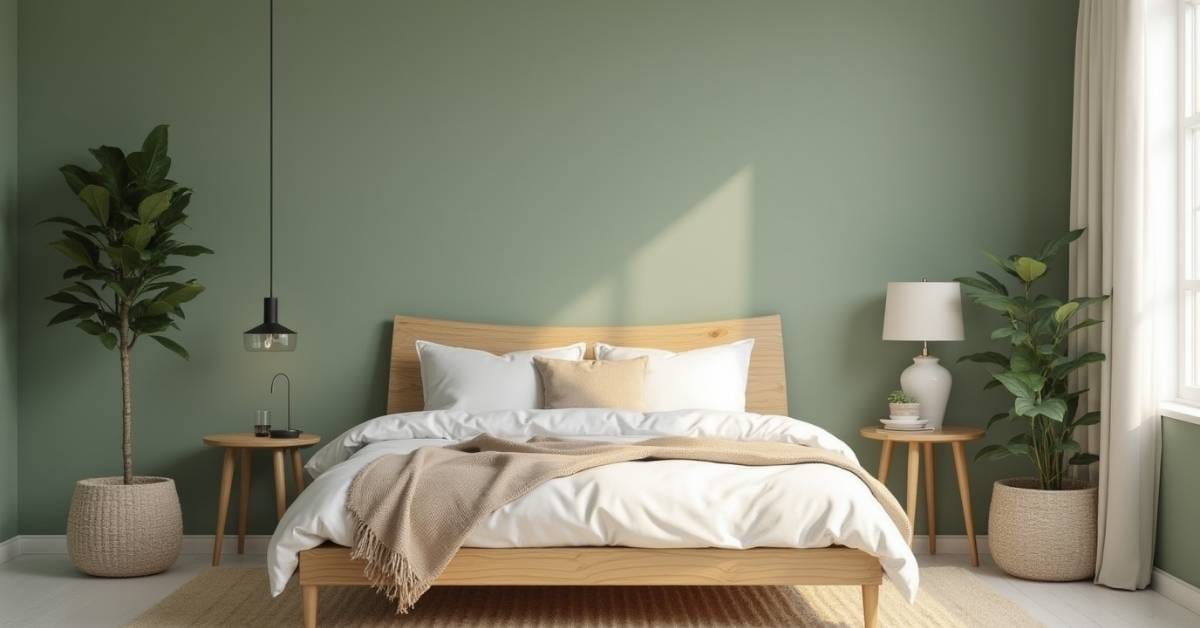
(697, 268)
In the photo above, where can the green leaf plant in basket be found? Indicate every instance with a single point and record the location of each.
(1033, 364)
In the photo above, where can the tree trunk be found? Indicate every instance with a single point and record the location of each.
(126, 398)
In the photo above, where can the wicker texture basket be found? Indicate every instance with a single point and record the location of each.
(122, 530)
(1043, 535)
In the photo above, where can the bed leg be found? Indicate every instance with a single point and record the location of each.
(870, 593)
(308, 601)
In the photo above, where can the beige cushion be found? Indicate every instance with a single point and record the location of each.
(592, 383)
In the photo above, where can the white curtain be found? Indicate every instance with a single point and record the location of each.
(1122, 193)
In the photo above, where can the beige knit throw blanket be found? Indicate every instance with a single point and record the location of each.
(413, 511)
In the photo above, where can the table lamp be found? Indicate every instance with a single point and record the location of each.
(925, 311)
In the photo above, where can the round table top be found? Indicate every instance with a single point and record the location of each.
(248, 440)
(947, 434)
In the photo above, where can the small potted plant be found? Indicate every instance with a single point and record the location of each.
(902, 405)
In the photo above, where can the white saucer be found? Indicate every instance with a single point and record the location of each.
(906, 426)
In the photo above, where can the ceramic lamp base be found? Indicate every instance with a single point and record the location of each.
(929, 382)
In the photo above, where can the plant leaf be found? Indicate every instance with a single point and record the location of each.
(996, 283)
(1082, 458)
(996, 418)
(77, 178)
(91, 327)
(191, 250)
(153, 205)
(1084, 324)
(1051, 248)
(1090, 418)
(75, 251)
(1053, 409)
(977, 284)
(182, 294)
(125, 257)
(1021, 384)
(82, 310)
(1018, 445)
(97, 200)
(108, 340)
(158, 308)
(1029, 269)
(993, 452)
(138, 236)
(1065, 366)
(173, 346)
(64, 297)
(1065, 311)
(1023, 359)
(1004, 264)
(113, 171)
(986, 357)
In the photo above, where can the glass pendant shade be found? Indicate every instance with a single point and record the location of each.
(270, 335)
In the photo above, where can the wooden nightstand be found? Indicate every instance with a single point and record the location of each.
(244, 444)
(917, 441)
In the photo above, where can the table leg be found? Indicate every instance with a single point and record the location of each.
(280, 487)
(964, 493)
(297, 470)
(927, 453)
(223, 503)
(914, 474)
(885, 460)
(243, 499)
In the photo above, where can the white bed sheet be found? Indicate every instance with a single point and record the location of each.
(660, 504)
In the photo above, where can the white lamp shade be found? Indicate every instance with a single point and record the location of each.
(923, 311)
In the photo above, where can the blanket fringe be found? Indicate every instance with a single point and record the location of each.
(388, 570)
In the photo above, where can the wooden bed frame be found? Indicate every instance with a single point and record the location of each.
(766, 393)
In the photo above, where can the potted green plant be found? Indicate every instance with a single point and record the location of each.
(120, 288)
(1041, 527)
(902, 405)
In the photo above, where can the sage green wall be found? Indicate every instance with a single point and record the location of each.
(532, 162)
(8, 269)
(1178, 548)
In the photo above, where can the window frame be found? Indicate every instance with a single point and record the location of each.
(1188, 151)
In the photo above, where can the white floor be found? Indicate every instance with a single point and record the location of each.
(45, 590)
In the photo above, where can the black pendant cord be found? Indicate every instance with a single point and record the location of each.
(271, 154)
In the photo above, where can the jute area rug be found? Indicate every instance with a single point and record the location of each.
(950, 596)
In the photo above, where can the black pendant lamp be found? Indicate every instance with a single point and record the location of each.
(270, 335)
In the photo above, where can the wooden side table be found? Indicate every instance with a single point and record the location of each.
(243, 444)
(918, 441)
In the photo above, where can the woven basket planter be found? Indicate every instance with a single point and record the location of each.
(123, 530)
(1043, 535)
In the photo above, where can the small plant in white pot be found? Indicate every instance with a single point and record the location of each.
(902, 405)
(1041, 527)
(120, 289)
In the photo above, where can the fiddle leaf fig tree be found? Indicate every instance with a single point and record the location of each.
(123, 252)
(1034, 365)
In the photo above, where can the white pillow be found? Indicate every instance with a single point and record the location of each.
(454, 378)
(713, 378)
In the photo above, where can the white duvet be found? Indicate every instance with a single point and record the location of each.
(661, 504)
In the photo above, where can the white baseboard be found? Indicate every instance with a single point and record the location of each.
(256, 544)
(27, 544)
(1176, 590)
(10, 549)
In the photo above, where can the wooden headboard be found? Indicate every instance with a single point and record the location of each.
(766, 390)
